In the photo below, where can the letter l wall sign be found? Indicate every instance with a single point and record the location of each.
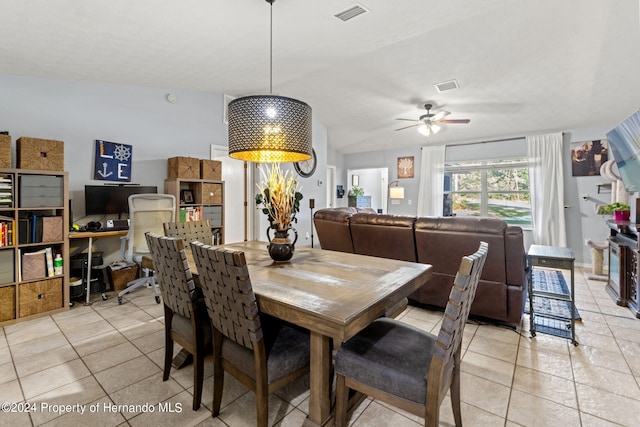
(112, 161)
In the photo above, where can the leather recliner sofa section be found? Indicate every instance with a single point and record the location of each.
(441, 242)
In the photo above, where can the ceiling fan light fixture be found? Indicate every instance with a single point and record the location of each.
(424, 129)
(269, 128)
(435, 128)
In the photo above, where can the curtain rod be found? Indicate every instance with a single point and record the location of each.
(484, 142)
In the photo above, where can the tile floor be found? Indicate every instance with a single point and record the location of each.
(107, 356)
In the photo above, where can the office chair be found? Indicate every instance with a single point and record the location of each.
(405, 366)
(147, 213)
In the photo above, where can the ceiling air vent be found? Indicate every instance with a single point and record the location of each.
(448, 85)
(351, 13)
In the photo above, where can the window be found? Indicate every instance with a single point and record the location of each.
(489, 188)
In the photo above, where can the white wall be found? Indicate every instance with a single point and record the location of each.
(78, 113)
(389, 159)
(582, 221)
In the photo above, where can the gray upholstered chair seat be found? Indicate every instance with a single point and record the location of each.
(287, 349)
(182, 325)
(371, 357)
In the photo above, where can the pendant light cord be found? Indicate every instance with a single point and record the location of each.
(271, 48)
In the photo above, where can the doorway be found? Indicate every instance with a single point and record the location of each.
(331, 187)
(374, 182)
(237, 179)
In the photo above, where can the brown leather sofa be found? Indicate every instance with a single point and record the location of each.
(441, 242)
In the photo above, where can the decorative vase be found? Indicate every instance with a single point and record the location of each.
(621, 215)
(280, 247)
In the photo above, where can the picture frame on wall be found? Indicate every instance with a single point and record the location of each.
(588, 156)
(406, 167)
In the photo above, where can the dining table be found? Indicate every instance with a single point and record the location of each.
(332, 294)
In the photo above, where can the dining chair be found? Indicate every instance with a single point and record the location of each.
(406, 366)
(260, 351)
(147, 213)
(185, 316)
(190, 231)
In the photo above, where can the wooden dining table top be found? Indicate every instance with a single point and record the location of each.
(331, 292)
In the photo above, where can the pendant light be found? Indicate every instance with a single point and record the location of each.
(269, 128)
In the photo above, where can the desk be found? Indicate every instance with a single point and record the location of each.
(333, 294)
(91, 236)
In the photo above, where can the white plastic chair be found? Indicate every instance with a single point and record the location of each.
(147, 213)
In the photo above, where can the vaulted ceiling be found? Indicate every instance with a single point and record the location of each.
(523, 66)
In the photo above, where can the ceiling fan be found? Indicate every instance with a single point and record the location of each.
(430, 123)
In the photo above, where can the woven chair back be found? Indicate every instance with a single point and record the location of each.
(457, 310)
(190, 231)
(231, 303)
(172, 272)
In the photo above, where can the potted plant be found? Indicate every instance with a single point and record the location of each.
(620, 211)
(356, 191)
(280, 199)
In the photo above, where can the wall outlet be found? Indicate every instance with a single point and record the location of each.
(409, 202)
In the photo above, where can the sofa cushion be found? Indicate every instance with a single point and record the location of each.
(442, 242)
(386, 236)
(332, 227)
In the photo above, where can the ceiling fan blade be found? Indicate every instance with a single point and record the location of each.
(439, 116)
(453, 121)
(408, 120)
(410, 126)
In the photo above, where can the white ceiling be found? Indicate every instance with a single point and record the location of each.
(523, 66)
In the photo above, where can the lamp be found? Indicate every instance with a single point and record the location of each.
(396, 192)
(269, 128)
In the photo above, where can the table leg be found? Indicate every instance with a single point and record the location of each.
(320, 380)
(89, 256)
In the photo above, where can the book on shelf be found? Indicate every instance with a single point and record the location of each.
(49, 256)
(190, 213)
(7, 234)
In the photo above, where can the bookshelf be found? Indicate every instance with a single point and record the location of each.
(33, 231)
(199, 199)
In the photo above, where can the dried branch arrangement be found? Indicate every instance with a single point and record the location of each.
(279, 196)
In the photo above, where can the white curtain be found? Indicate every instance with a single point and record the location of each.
(547, 189)
(431, 190)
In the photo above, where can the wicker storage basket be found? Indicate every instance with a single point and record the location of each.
(5, 152)
(119, 278)
(211, 170)
(39, 297)
(183, 167)
(211, 194)
(40, 154)
(7, 303)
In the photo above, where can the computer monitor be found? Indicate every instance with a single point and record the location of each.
(111, 199)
